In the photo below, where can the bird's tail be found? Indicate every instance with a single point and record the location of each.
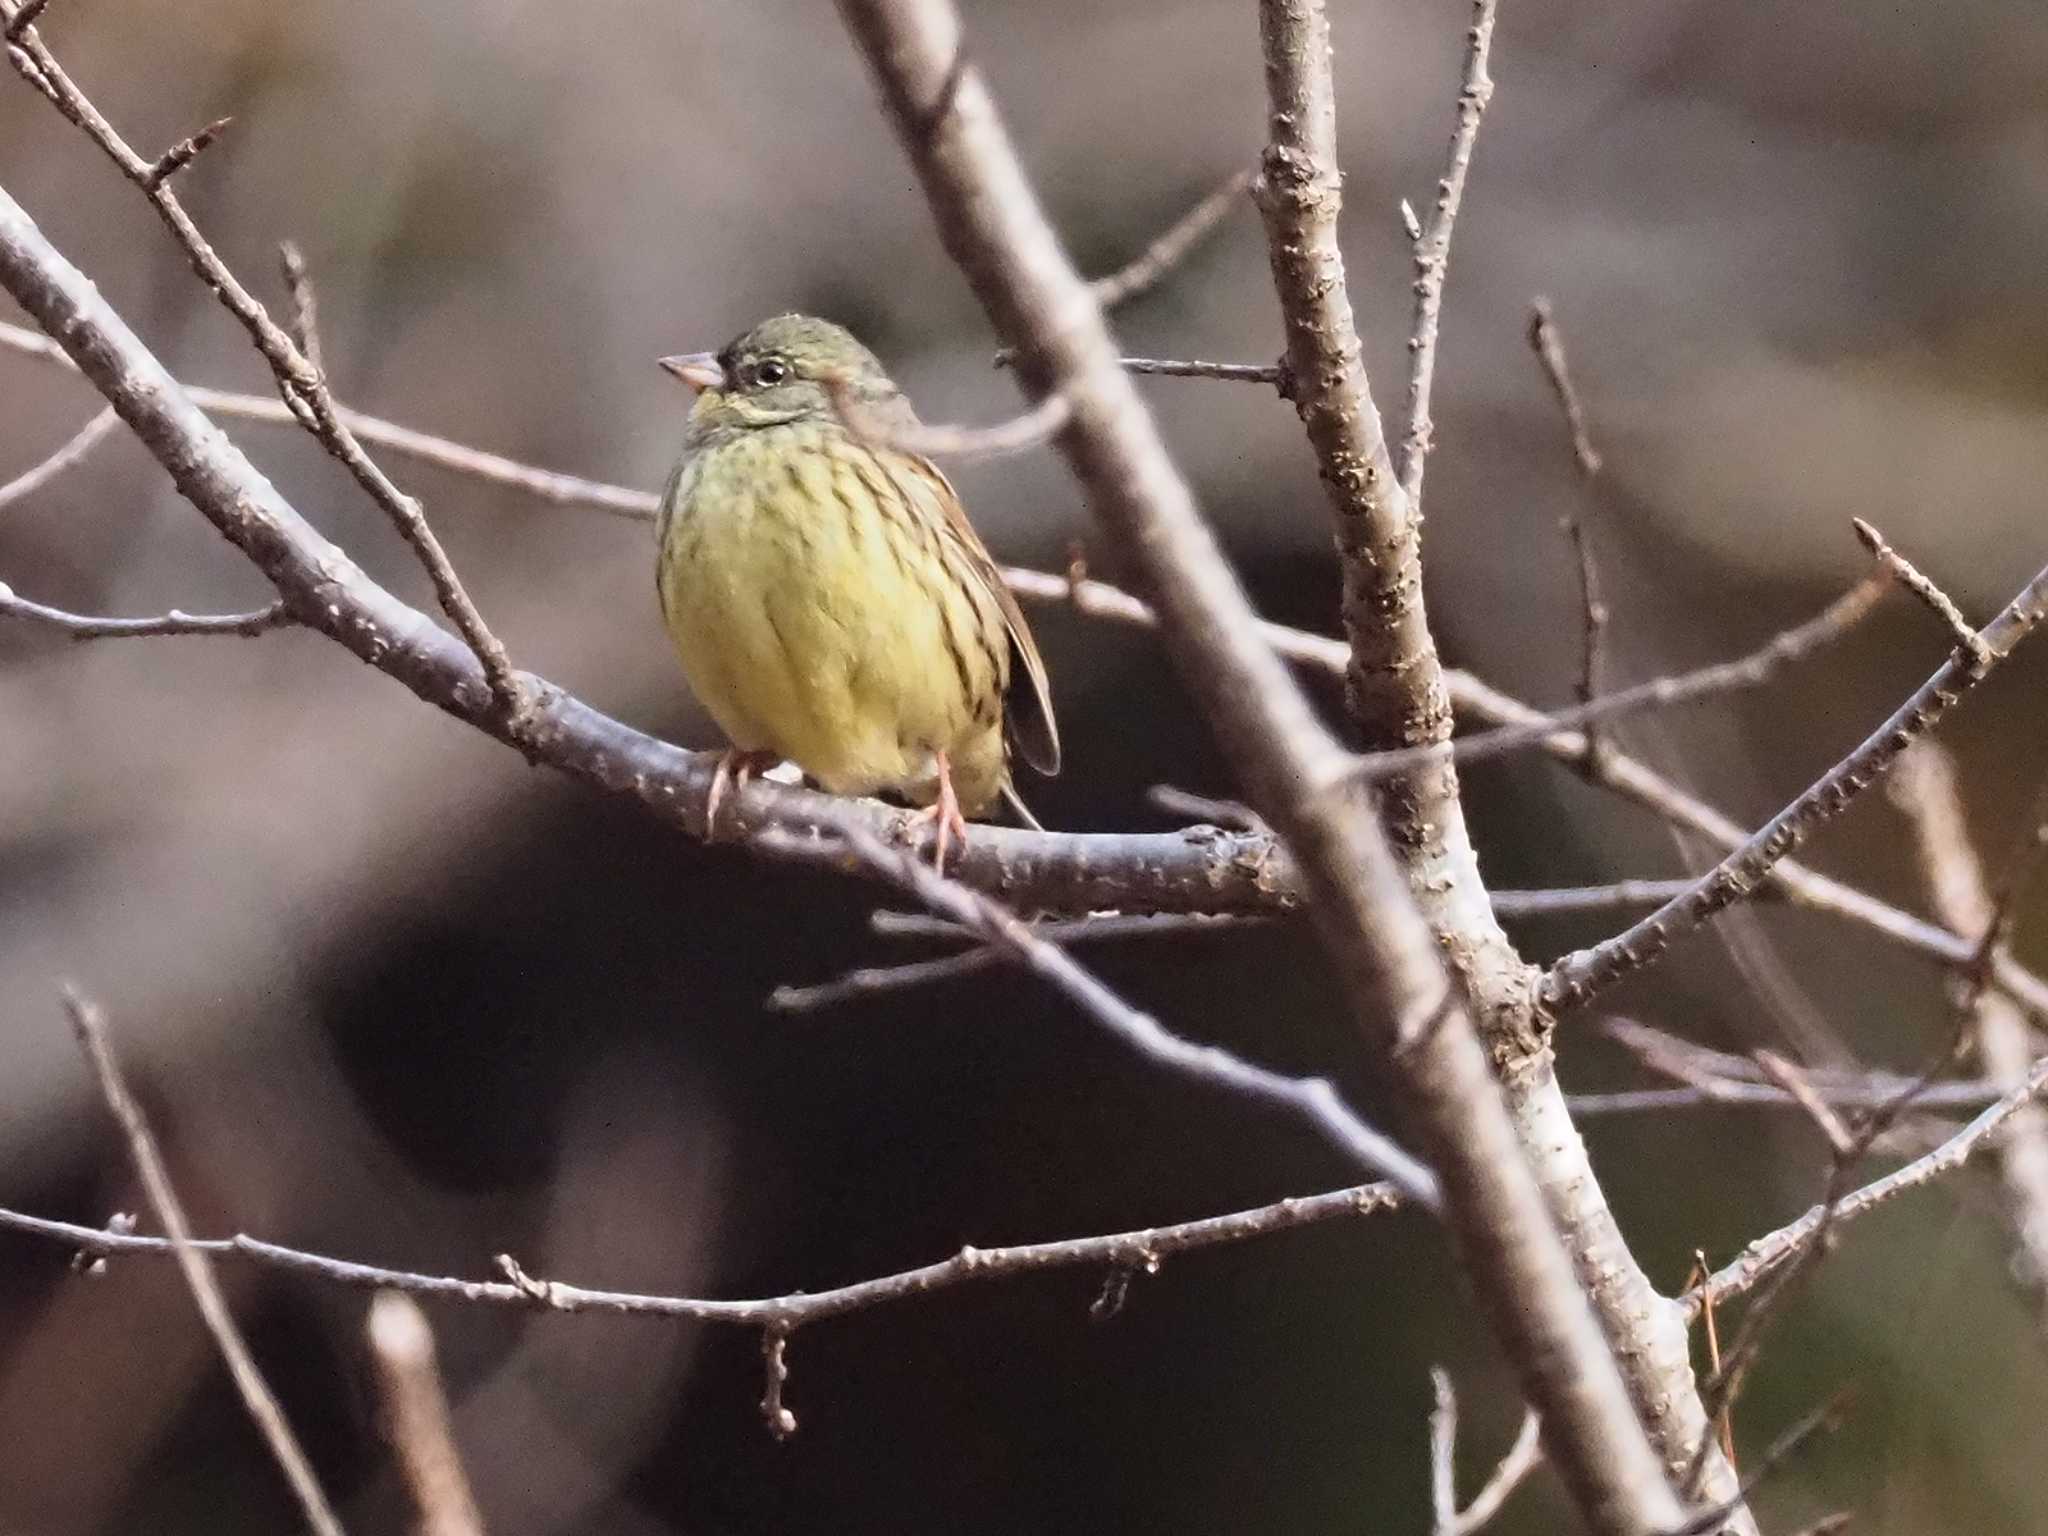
(1016, 803)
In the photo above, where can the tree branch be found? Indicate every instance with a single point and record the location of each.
(1433, 251)
(81, 626)
(303, 389)
(72, 452)
(416, 1419)
(994, 229)
(91, 1029)
(1143, 1249)
(1579, 976)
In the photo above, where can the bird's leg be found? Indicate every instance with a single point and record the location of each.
(734, 768)
(944, 813)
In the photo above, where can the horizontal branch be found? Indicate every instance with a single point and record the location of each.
(1142, 1249)
(1239, 873)
(83, 626)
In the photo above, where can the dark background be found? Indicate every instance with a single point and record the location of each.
(391, 994)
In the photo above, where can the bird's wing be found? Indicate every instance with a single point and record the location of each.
(1027, 710)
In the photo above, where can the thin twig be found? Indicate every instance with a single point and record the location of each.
(81, 626)
(1547, 341)
(1026, 430)
(1432, 249)
(91, 1029)
(1789, 1077)
(1314, 1100)
(1922, 586)
(303, 391)
(1750, 670)
(1825, 1419)
(182, 154)
(1141, 1249)
(1579, 976)
(416, 1419)
(1769, 1254)
(1274, 374)
(1446, 1518)
(1522, 1458)
(874, 981)
(1924, 787)
(1143, 272)
(298, 282)
(72, 452)
(475, 463)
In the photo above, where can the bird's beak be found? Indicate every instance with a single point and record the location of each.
(699, 370)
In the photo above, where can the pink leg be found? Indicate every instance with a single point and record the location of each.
(734, 769)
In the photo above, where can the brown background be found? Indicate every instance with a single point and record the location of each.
(394, 995)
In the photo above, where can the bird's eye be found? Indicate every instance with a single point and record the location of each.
(770, 371)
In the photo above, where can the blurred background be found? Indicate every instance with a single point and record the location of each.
(391, 994)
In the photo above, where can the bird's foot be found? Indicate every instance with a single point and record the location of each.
(944, 814)
(734, 769)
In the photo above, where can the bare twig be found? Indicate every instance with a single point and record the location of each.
(1547, 341)
(1917, 582)
(1275, 374)
(1769, 1254)
(1314, 1100)
(1143, 272)
(91, 1029)
(72, 452)
(1203, 870)
(542, 484)
(298, 283)
(1142, 1249)
(1579, 976)
(299, 383)
(1433, 249)
(875, 981)
(182, 154)
(1825, 1419)
(1637, 781)
(1809, 1098)
(1026, 430)
(1924, 787)
(416, 1419)
(1750, 670)
(1521, 1459)
(81, 626)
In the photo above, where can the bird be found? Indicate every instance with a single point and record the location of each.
(829, 601)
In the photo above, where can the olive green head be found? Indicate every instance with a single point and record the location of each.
(785, 369)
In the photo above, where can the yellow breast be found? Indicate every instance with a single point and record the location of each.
(816, 615)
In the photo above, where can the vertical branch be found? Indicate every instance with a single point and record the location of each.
(416, 1418)
(1385, 954)
(91, 1029)
(1924, 787)
(1433, 251)
(1398, 693)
